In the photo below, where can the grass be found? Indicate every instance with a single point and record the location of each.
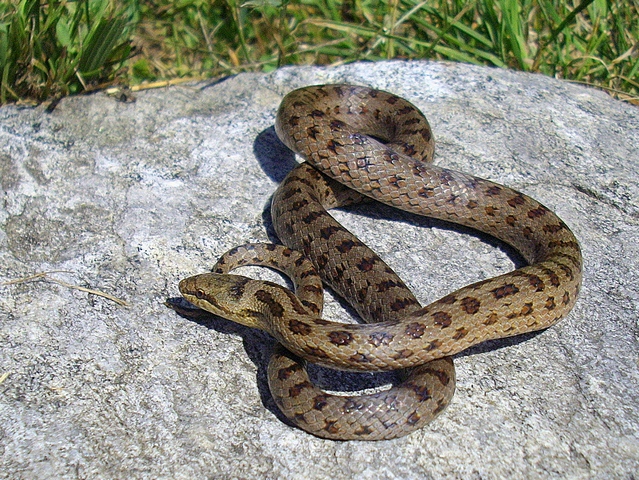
(60, 48)
(73, 46)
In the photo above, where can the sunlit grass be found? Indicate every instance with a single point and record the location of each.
(590, 41)
(50, 49)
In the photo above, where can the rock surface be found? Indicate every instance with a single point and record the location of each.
(128, 198)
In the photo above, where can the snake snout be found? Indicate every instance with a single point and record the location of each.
(201, 286)
(186, 286)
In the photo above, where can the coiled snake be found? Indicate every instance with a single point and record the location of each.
(378, 144)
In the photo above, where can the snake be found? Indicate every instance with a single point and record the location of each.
(361, 143)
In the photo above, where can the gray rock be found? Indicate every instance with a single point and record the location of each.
(128, 198)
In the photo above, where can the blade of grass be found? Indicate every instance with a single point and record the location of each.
(569, 18)
(513, 32)
(100, 43)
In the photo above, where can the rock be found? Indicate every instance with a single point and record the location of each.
(128, 198)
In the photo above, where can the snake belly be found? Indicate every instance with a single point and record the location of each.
(380, 145)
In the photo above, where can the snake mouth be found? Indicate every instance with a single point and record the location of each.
(189, 290)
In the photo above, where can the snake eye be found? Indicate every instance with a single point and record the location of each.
(200, 293)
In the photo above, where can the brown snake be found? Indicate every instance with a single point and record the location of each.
(380, 145)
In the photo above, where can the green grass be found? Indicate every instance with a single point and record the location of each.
(51, 49)
(590, 41)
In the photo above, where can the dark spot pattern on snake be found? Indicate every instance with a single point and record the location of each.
(470, 305)
(422, 392)
(442, 318)
(299, 328)
(505, 291)
(273, 305)
(297, 389)
(320, 401)
(340, 338)
(380, 338)
(360, 358)
(415, 329)
(285, 373)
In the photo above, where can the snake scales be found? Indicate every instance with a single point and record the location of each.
(378, 144)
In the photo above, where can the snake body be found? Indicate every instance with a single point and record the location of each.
(381, 146)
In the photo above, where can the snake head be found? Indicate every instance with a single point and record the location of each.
(228, 296)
